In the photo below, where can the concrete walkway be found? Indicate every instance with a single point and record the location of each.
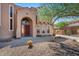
(22, 41)
(69, 37)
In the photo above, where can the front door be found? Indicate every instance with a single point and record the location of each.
(26, 30)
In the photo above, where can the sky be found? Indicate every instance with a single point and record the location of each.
(28, 4)
(38, 5)
(68, 18)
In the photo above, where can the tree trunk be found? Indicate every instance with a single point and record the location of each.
(53, 34)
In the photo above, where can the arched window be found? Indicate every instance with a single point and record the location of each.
(43, 31)
(11, 10)
(38, 31)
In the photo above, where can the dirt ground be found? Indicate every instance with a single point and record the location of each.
(57, 47)
(54, 48)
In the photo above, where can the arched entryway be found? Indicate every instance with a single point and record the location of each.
(26, 26)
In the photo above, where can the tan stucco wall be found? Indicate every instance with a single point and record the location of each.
(0, 14)
(25, 12)
(44, 27)
(19, 14)
(5, 33)
(59, 32)
(0, 20)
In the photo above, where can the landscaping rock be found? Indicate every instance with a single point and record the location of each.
(65, 48)
(59, 39)
(71, 46)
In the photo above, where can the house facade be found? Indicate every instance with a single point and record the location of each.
(17, 21)
(71, 29)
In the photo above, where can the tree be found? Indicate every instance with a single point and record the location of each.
(52, 11)
(70, 9)
(49, 11)
(61, 24)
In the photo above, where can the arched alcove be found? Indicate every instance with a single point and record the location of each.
(26, 27)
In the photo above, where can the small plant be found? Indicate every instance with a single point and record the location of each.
(54, 34)
(30, 43)
(75, 40)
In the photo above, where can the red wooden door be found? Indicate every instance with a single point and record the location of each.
(26, 30)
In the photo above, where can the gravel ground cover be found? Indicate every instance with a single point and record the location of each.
(58, 47)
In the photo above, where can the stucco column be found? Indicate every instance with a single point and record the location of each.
(51, 30)
(18, 31)
(34, 29)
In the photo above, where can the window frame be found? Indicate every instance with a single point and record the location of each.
(11, 18)
(12, 11)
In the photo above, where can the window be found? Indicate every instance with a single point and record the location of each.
(43, 31)
(11, 19)
(11, 24)
(11, 10)
(38, 31)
